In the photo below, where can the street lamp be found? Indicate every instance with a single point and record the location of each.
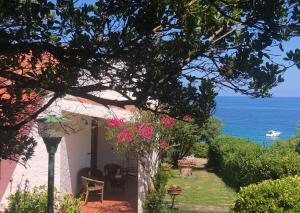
(51, 129)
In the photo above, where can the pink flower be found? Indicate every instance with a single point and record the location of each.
(187, 118)
(168, 121)
(145, 132)
(125, 136)
(137, 126)
(163, 144)
(115, 122)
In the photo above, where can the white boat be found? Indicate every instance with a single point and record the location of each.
(273, 133)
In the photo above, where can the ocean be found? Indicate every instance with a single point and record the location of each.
(251, 118)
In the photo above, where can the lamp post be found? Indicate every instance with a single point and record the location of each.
(51, 129)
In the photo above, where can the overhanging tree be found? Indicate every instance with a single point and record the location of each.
(174, 52)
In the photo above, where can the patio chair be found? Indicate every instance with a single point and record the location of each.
(92, 185)
(87, 173)
(116, 175)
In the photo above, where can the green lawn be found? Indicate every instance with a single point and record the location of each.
(203, 188)
(186, 211)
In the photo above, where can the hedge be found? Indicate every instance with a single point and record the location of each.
(240, 162)
(200, 150)
(280, 195)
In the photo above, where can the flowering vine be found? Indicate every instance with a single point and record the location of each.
(125, 135)
(115, 122)
(168, 122)
(140, 134)
(187, 118)
(147, 135)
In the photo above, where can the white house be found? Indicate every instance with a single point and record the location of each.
(85, 145)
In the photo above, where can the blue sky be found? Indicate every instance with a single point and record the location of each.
(291, 85)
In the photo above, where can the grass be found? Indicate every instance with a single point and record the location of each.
(202, 188)
(186, 211)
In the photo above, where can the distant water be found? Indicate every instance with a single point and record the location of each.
(252, 118)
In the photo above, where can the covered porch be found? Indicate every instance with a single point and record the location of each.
(88, 149)
(117, 200)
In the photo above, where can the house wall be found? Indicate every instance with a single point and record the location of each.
(106, 152)
(36, 171)
(75, 155)
(73, 151)
(7, 169)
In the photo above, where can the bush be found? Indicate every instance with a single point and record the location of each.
(291, 143)
(234, 159)
(280, 195)
(186, 139)
(69, 204)
(240, 162)
(154, 202)
(200, 150)
(35, 201)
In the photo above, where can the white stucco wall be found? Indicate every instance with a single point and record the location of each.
(36, 171)
(74, 156)
(106, 152)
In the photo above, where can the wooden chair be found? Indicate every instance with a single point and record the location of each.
(91, 184)
(116, 175)
(98, 175)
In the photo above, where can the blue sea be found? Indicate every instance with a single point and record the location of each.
(251, 118)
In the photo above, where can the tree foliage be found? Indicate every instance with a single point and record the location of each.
(184, 136)
(175, 53)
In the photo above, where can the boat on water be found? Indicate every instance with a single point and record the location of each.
(273, 133)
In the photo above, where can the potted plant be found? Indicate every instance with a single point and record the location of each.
(174, 190)
(166, 167)
(186, 167)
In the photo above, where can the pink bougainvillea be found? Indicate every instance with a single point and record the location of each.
(163, 144)
(125, 136)
(137, 125)
(168, 121)
(115, 122)
(132, 135)
(187, 118)
(145, 132)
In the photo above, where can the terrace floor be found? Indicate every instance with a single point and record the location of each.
(116, 200)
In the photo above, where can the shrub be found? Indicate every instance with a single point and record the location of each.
(278, 163)
(240, 162)
(186, 139)
(154, 202)
(280, 195)
(183, 136)
(35, 201)
(200, 150)
(69, 204)
(291, 143)
(25, 201)
(234, 159)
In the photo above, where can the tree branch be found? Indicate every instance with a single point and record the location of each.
(31, 116)
(28, 83)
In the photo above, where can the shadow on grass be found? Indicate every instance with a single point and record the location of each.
(223, 178)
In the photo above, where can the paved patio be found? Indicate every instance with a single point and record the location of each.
(116, 200)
